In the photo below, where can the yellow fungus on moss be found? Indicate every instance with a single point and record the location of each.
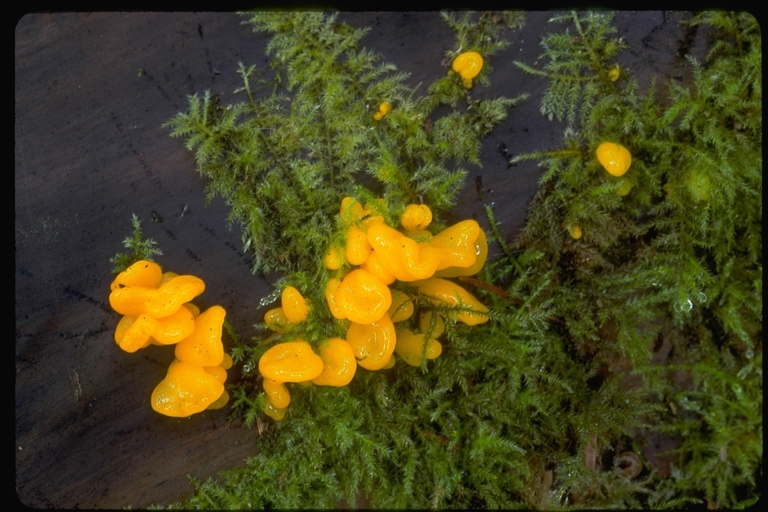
(384, 109)
(468, 65)
(615, 158)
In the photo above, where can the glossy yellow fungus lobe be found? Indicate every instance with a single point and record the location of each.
(468, 65)
(409, 347)
(384, 109)
(294, 306)
(404, 258)
(219, 402)
(133, 333)
(615, 158)
(276, 320)
(334, 258)
(481, 253)
(401, 308)
(358, 248)
(277, 393)
(374, 265)
(157, 303)
(273, 412)
(614, 73)
(575, 231)
(450, 293)
(203, 347)
(416, 217)
(456, 244)
(362, 298)
(339, 365)
(425, 322)
(292, 361)
(142, 273)
(372, 343)
(187, 389)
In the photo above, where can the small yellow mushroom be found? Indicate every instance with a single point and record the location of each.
(384, 109)
(468, 65)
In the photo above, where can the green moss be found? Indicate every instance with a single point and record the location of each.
(533, 408)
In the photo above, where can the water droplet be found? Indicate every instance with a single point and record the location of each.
(684, 306)
(702, 298)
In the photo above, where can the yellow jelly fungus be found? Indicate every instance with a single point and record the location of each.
(273, 412)
(276, 320)
(449, 293)
(481, 252)
(187, 389)
(575, 231)
(292, 361)
(157, 303)
(372, 343)
(167, 276)
(416, 216)
(358, 248)
(351, 211)
(217, 372)
(384, 109)
(468, 65)
(277, 392)
(142, 273)
(294, 305)
(390, 363)
(339, 365)
(425, 321)
(614, 73)
(133, 333)
(404, 258)
(331, 289)
(615, 158)
(457, 244)
(374, 265)
(625, 187)
(362, 298)
(227, 362)
(220, 402)
(334, 258)
(192, 309)
(401, 308)
(203, 347)
(409, 347)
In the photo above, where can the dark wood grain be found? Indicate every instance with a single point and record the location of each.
(91, 93)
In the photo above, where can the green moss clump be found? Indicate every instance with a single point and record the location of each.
(648, 325)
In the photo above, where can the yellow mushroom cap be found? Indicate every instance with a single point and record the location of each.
(294, 306)
(203, 347)
(384, 109)
(292, 361)
(416, 216)
(575, 231)
(187, 389)
(339, 365)
(362, 298)
(410, 345)
(142, 273)
(372, 343)
(277, 392)
(615, 158)
(468, 65)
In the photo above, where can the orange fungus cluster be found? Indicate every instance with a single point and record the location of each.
(358, 294)
(157, 311)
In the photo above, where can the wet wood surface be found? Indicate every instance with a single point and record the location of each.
(92, 91)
